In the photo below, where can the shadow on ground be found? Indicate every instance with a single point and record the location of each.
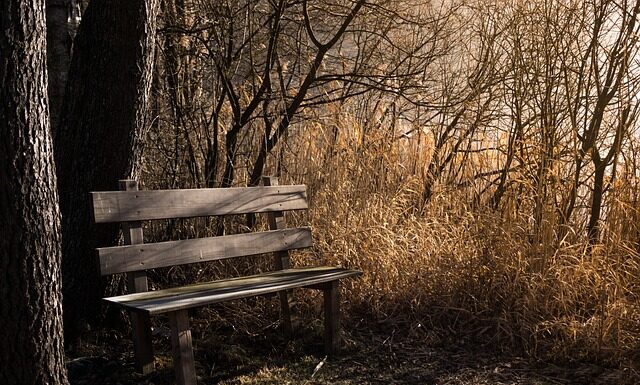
(378, 354)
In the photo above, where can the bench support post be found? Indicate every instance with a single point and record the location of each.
(183, 362)
(332, 318)
(137, 283)
(277, 222)
(285, 313)
(142, 344)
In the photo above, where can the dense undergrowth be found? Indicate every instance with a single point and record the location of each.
(477, 160)
(455, 265)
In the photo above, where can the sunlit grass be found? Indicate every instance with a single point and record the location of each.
(460, 264)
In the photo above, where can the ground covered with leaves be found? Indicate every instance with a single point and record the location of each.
(245, 350)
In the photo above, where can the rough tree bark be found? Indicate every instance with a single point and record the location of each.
(30, 307)
(99, 140)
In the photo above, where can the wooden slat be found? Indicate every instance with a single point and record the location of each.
(163, 301)
(123, 206)
(121, 259)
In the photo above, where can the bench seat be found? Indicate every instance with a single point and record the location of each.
(185, 297)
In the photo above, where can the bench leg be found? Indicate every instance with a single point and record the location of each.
(142, 346)
(285, 312)
(183, 362)
(332, 318)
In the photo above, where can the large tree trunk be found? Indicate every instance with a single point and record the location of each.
(99, 140)
(30, 307)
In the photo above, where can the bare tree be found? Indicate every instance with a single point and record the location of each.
(602, 109)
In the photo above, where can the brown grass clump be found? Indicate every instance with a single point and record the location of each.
(458, 266)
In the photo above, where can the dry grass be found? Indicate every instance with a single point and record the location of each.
(458, 266)
(454, 265)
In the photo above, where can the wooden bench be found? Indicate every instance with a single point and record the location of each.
(130, 206)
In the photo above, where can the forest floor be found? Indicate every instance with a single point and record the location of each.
(373, 353)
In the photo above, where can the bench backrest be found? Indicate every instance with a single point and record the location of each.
(131, 206)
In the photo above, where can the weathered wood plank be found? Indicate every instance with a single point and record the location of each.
(120, 259)
(122, 206)
(183, 362)
(137, 283)
(163, 301)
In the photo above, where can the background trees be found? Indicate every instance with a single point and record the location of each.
(30, 299)
(494, 139)
(63, 18)
(240, 74)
